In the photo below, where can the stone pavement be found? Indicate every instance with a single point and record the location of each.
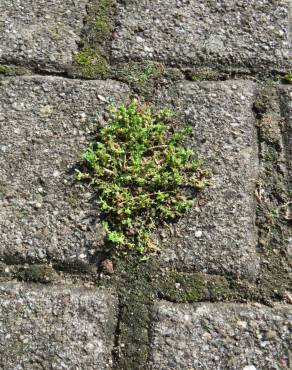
(225, 336)
(56, 327)
(216, 296)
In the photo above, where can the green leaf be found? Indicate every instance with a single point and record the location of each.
(116, 237)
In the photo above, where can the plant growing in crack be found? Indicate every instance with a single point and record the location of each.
(141, 173)
(288, 78)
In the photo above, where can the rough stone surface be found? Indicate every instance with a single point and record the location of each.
(285, 93)
(56, 328)
(40, 32)
(51, 240)
(218, 235)
(220, 336)
(45, 124)
(218, 34)
(286, 99)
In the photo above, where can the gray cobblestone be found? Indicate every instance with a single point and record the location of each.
(40, 32)
(45, 124)
(56, 328)
(218, 34)
(220, 336)
(219, 234)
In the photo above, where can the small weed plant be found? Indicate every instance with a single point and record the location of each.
(141, 172)
(288, 78)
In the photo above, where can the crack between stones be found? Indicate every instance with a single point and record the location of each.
(223, 75)
(116, 347)
(259, 146)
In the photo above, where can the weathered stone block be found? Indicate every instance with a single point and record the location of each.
(56, 327)
(38, 32)
(218, 235)
(252, 35)
(226, 336)
(45, 123)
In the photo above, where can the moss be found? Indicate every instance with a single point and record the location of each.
(98, 25)
(135, 284)
(201, 74)
(12, 70)
(91, 59)
(181, 287)
(102, 26)
(4, 69)
(270, 129)
(218, 288)
(91, 62)
(185, 287)
(37, 274)
(142, 73)
(139, 75)
(103, 19)
(269, 154)
(197, 77)
(133, 333)
(287, 78)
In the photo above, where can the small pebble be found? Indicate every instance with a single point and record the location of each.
(41, 253)
(198, 233)
(107, 266)
(101, 98)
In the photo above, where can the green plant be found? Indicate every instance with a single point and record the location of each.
(141, 73)
(197, 77)
(91, 61)
(288, 78)
(12, 70)
(4, 69)
(103, 19)
(141, 172)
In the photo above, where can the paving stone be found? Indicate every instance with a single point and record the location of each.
(247, 34)
(45, 123)
(56, 327)
(220, 336)
(40, 32)
(218, 235)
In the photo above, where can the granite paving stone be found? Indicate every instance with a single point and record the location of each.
(218, 235)
(56, 327)
(242, 34)
(40, 32)
(211, 336)
(45, 124)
